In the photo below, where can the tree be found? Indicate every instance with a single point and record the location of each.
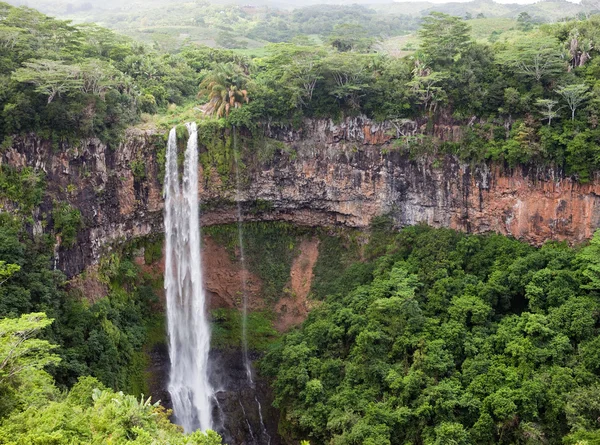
(20, 351)
(427, 90)
(7, 271)
(98, 77)
(9, 37)
(579, 49)
(50, 77)
(443, 38)
(540, 58)
(574, 95)
(350, 37)
(349, 75)
(589, 259)
(225, 86)
(92, 414)
(293, 69)
(514, 102)
(524, 22)
(227, 39)
(547, 108)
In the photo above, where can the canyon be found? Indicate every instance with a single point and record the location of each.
(324, 174)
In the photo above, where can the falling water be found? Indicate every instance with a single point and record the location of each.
(244, 279)
(189, 333)
(244, 276)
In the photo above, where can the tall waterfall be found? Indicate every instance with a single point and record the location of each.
(189, 332)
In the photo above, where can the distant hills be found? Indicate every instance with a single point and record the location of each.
(545, 10)
(248, 25)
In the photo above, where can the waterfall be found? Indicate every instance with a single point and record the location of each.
(189, 332)
(244, 276)
(244, 279)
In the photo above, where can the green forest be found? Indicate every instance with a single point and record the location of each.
(415, 335)
(528, 98)
(444, 338)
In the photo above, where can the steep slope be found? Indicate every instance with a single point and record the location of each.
(323, 175)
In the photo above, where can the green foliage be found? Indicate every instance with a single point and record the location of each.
(23, 358)
(537, 58)
(574, 96)
(270, 249)
(227, 328)
(24, 187)
(336, 254)
(225, 87)
(443, 39)
(7, 271)
(153, 250)
(66, 82)
(138, 168)
(67, 222)
(92, 414)
(100, 335)
(589, 258)
(20, 351)
(451, 338)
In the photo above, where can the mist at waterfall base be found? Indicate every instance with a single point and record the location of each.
(208, 389)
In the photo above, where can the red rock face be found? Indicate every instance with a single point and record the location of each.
(324, 174)
(535, 211)
(223, 279)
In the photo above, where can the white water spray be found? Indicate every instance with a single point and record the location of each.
(189, 332)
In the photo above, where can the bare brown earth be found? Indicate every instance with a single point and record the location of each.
(223, 279)
(293, 308)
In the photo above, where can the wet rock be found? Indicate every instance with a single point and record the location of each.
(242, 412)
(243, 415)
(158, 375)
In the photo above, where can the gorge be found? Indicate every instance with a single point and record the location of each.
(324, 175)
(272, 226)
(327, 175)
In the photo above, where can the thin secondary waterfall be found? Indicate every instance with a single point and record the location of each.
(244, 277)
(189, 332)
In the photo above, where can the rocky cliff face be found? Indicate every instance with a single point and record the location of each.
(324, 174)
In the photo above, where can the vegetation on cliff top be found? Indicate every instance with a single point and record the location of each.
(531, 97)
(64, 81)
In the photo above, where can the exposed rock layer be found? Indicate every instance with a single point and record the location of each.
(324, 174)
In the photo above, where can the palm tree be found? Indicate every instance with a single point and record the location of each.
(225, 87)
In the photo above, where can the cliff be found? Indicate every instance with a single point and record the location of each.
(324, 174)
